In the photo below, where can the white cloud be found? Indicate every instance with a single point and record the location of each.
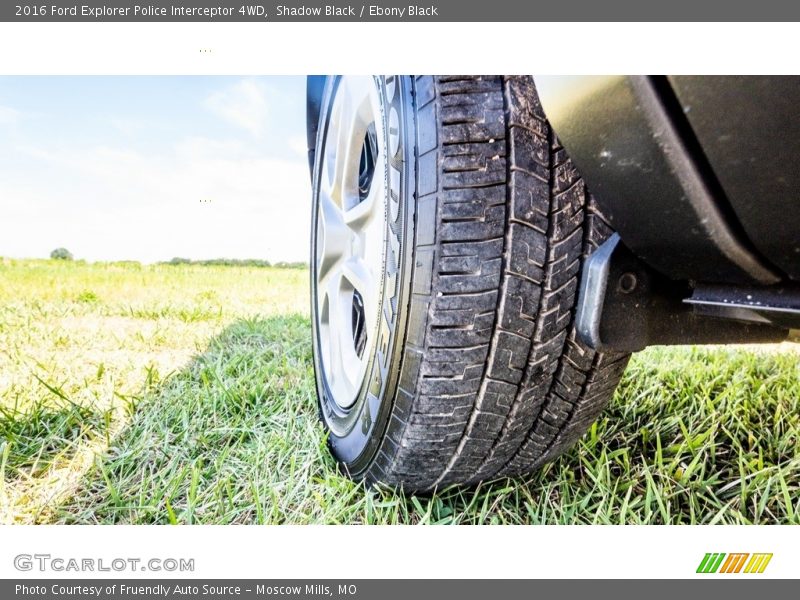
(243, 104)
(8, 115)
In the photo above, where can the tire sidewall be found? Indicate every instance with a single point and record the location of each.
(355, 434)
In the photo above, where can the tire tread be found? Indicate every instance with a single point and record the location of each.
(494, 380)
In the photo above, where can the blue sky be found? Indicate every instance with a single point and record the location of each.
(148, 168)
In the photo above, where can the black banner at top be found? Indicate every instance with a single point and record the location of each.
(399, 10)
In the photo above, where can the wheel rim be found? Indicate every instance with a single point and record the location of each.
(350, 237)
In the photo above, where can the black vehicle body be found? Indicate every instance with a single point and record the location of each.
(699, 176)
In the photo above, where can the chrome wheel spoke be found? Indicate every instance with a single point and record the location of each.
(359, 275)
(333, 236)
(339, 327)
(371, 208)
(350, 118)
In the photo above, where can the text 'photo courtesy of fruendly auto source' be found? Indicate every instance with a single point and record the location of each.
(399, 299)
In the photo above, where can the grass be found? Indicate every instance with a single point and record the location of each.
(184, 394)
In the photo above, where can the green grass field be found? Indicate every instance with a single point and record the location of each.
(184, 394)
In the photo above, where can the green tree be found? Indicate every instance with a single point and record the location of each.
(61, 254)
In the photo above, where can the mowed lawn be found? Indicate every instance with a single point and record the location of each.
(184, 394)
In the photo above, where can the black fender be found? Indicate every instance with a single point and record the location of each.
(315, 87)
(633, 144)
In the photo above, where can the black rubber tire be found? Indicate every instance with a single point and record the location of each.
(485, 376)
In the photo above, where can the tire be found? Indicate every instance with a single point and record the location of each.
(471, 367)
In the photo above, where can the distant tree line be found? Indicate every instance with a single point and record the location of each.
(237, 262)
(64, 254)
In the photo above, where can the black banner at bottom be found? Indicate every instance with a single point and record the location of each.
(250, 589)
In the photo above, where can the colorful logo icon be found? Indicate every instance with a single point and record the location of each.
(719, 562)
